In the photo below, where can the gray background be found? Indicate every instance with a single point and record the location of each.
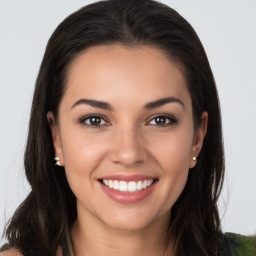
(227, 29)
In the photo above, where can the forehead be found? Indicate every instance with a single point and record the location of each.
(114, 71)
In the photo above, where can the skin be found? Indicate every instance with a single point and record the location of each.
(127, 141)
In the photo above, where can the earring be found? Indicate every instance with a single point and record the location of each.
(194, 158)
(57, 161)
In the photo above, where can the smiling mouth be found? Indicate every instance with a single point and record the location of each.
(131, 186)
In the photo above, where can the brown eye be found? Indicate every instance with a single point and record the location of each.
(93, 121)
(163, 120)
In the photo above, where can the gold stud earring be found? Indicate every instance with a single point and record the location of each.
(57, 159)
(194, 158)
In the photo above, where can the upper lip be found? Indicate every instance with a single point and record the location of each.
(125, 177)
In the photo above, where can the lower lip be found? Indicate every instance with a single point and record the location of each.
(127, 197)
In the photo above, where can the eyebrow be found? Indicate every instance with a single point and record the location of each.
(93, 103)
(163, 101)
(148, 106)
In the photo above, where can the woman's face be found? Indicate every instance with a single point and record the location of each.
(125, 135)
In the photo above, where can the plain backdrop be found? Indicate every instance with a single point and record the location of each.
(227, 29)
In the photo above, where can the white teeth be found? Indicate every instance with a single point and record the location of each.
(110, 184)
(132, 186)
(105, 182)
(116, 185)
(145, 184)
(123, 186)
(139, 185)
(150, 182)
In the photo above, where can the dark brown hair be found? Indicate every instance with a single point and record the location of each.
(41, 219)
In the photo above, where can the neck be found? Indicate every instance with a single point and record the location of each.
(92, 237)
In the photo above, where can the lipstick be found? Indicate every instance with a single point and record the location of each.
(128, 189)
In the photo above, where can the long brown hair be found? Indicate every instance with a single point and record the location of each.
(41, 219)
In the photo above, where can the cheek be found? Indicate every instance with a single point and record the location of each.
(174, 161)
(173, 157)
(173, 152)
(82, 153)
(82, 156)
(81, 148)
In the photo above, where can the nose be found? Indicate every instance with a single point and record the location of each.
(128, 148)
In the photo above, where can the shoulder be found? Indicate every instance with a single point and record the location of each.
(11, 252)
(236, 245)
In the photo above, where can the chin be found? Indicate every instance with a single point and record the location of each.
(135, 220)
(128, 225)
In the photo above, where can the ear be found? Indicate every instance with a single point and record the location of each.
(198, 139)
(55, 137)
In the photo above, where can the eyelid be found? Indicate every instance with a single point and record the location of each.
(84, 118)
(173, 120)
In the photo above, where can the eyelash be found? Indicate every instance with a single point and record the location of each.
(170, 119)
(84, 119)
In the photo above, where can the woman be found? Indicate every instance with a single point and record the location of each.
(126, 104)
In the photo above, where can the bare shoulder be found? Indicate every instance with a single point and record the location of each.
(11, 252)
